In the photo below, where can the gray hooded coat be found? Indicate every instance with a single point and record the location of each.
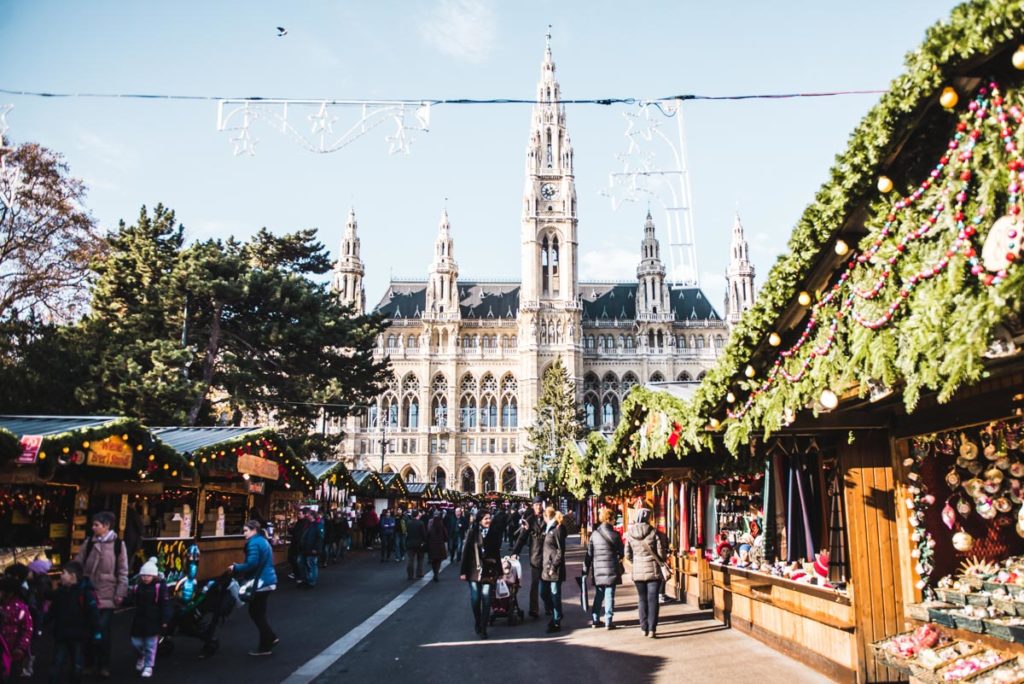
(645, 567)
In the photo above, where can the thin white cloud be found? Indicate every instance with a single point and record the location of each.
(106, 151)
(609, 263)
(462, 29)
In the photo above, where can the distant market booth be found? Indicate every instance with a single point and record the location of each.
(852, 471)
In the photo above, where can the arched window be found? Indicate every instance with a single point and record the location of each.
(554, 257)
(629, 381)
(684, 377)
(610, 382)
(719, 342)
(468, 480)
(411, 342)
(440, 478)
(392, 342)
(488, 413)
(590, 382)
(700, 341)
(389, 407)
(488, 480)
(467, 413)
(609, 412)
(509, 480)
(700, 376)
(681, 342)
(409, 474)
(439, 411)
(509, 413)
(591, 410)
(657, 377)
(545, 283)
(630, 342)
(411, 412)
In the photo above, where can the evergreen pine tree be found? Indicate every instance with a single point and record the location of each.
(556, 405)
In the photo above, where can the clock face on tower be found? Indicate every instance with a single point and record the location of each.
(548, 191)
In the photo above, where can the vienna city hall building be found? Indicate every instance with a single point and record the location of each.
(468, 356)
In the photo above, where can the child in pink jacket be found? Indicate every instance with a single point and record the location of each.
(15, 624)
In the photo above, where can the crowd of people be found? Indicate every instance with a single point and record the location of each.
(486, 543)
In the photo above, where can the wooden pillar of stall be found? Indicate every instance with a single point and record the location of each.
(873, 540)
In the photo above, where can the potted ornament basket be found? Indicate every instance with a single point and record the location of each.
(925, 671)
(948, 673)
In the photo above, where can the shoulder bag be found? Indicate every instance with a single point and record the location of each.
(664, 568)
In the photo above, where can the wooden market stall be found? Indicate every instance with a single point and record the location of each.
(58, 470)
(333, 483)
(242, 473)
(884, 348)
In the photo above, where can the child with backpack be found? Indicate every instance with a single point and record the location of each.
(152, 601)
(15, 623)
(75, 617)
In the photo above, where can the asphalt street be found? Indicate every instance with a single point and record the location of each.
(430, 638)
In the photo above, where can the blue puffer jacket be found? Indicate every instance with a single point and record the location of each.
(259, 562)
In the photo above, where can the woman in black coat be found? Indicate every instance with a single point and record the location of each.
(603, 560)
(481, 566)
(553, 571)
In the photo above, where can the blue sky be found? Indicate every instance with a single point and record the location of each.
(766, 157)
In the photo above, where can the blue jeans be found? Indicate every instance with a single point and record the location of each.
(312, 569)
(552, 594)
(66, 650)
(605, 595)
(647, 604)
(97, 653)
(480, 599)
(387, 545)
(399, 547)
(146, 648)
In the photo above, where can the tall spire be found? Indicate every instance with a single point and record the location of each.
(652, 295)
(442, 286)
(348, 270)
(739, 294)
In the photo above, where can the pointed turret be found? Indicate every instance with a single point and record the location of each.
(739, 294)
(348, 270)
(442, 286)
(652, 294)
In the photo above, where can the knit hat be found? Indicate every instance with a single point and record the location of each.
(150, 568)
(539, 499)
(40, 566)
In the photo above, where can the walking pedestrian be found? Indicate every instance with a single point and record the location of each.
(75, 618)
(387, 535)
(604, 562)
(646, 553)
(311, 547)
(39, 595)
(438, 543)
(553, 572)
(531, 534)
(258, 565)
(481, 566)
(330, 540)
(16, 627)
(153, 607)
(295, 533)
(371, 527)
(344, 535)
(416, 543)
(401, 532)
(105, 563)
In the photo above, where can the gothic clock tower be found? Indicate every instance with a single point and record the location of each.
(549, 305)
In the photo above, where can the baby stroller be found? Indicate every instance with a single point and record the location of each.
(201, 617)
(505, 602)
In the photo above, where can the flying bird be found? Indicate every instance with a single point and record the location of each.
(281, 31)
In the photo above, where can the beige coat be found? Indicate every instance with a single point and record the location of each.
(108, 574)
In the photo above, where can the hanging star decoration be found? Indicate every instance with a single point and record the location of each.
(244, 142)
(323, 122)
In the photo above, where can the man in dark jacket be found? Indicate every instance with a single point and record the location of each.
(312, 546)
(604, 560)
(531, 533)
(295, 547)
(415, 544)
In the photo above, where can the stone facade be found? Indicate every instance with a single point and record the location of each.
(468, 356)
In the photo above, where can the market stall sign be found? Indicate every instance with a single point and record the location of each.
(111, 452)
(30, 448)
(257, 487)
(260, 467)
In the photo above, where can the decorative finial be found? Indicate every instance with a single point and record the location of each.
(548, 43)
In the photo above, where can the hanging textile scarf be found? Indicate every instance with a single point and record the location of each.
(837, 566)
(798, 525)
(700, 516)
(684, 517)
(770, 528)
(781, 531)
(711, 516)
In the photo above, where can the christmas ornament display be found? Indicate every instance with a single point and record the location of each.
(963, 542)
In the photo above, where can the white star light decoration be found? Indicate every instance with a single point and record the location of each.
(11, 176)
(322, 137)
(638, 165)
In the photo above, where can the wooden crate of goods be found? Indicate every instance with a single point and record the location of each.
(928, 661)
(976, 663)
(1010, 672)
(897, 651)
(1008, 628)
(919, 611)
